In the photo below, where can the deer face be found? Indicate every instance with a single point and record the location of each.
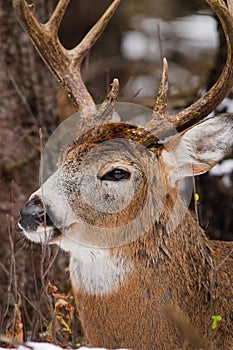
(108, 178)
(115, 179)
(104, 181)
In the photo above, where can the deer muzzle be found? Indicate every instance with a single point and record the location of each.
(34, 220)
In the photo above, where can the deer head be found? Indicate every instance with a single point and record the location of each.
(111, 186)
(116, 183)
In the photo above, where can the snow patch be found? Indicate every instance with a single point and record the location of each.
(224, 169)
(47, 346)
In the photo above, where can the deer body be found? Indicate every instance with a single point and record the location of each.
(144, 274)
(132, 313)
(121, 293)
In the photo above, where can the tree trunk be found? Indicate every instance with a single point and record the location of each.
(28, 99)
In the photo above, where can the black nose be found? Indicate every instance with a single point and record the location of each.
(32, 215)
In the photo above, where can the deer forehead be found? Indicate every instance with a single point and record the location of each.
(106, 155)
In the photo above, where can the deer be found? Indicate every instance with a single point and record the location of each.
(140, 264)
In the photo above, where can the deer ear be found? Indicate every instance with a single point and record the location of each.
(198, 149)
(208, 142)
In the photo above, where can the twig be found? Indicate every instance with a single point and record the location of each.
(14, 342)
(4, 269)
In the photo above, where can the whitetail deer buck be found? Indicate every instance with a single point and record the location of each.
(104, 180)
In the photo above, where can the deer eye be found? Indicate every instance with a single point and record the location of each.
(116, 175)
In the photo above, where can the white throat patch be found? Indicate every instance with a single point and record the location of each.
(97, 272)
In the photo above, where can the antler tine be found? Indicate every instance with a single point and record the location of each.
(106, 110)
(230, 6)
(64, 64)
(105, 113)
(207, 103)
(161, 99)
(57, 16)
(159, 118)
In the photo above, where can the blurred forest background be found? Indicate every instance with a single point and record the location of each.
(131, 48)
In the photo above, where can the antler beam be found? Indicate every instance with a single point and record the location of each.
(207, 103)
(64, 64)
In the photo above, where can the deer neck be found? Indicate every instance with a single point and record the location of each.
(121, 293)
(100, 272)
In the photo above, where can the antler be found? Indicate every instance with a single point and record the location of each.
(159, 119)
(64, 64)
(207, 103)
(164, 124)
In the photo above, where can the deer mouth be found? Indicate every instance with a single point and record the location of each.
(42, 235)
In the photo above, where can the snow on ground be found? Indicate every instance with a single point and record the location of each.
(47, 346)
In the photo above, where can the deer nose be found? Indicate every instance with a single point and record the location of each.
(32, 215)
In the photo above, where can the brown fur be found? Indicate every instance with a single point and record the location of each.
(173, 270)
(178, 269)
(161, 262)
